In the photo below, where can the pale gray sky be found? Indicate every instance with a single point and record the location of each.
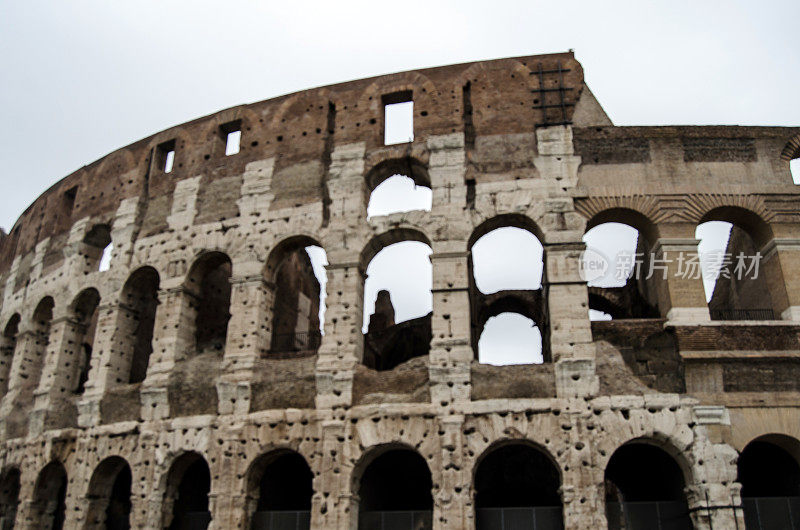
(82, 78)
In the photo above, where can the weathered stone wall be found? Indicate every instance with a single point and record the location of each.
(493, 157)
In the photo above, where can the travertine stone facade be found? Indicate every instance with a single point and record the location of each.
(513, 142)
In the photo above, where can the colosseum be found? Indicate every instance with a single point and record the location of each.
(190, 383)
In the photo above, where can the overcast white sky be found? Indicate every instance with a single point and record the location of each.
(82, 78)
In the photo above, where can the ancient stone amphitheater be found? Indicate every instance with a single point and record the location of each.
(186, 384)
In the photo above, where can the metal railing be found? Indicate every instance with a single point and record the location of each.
(281, 520)
(396, 520)
(297, 341)
(772, 513)
(192, 521)
(523, 518)
(742, 314)
(672, 515)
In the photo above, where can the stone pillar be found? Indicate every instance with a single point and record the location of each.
(452, 503)
(570, 332)
(173, 336)
(343, 343)
(111, 358)
(248, 337)
(333, 506)
(583, 482)
(450, 354)
(52, 408)
(680, 292)
(779, 260)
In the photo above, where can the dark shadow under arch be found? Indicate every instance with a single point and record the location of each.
(279, 491)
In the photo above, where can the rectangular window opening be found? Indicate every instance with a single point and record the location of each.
(231, 132)
(69, 199)
(398, 118)
(165, 154)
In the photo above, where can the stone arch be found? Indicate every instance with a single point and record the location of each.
(631, 493)
(642, 221)
(84, 311)
(297, 296)
(517, 478)
(665, 442)
(8, 343)
(279, 487)
(134, 335)
(792, 148)
(30, 367)
(9, 496)
(48, 508)
(410, 166)
(209, 289)
(186, 487)
(749, 220)
(390, 237)
(411, 491)
(514, 220)
(108, 503)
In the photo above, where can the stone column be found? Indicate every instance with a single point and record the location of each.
(248, 337)
(52, 408)
(779, 260)
(172, 339)
(570, 332)
(450, 354)
(452, 504)
(680, 292)
(333, 506)
(343, 343)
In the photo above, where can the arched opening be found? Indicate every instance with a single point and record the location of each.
(31, 366)
(395, 492)
(397, 300)
(297, 270)
(508, 308)
(734, 273)
(139, 303)
(769, 473)
(49, 498)
(517, 486)
(794, 169)
(645, 489)
(399, 193)
(9, 498)
(84, 311)
(109, 496)
(209, 286)
(616, 264)
(98, 248)
(186, 498)
(8, 343)
(279, 492)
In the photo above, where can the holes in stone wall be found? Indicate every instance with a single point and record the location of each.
(188, 485)
(633, 495)
(231, 134)
(399, 193)
(140, 299)
(49, 494)
(517, 482)
(396, 481)
(398, 118)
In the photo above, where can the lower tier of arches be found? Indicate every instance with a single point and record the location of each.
(658, 461)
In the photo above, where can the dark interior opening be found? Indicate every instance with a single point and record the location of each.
(398, 480)
(141, 296)
(118, 510)
(50, 496)
(295, 313)
(766, 470)
(9, 498)
(190, 508)
(516, 476)
(212, 286)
